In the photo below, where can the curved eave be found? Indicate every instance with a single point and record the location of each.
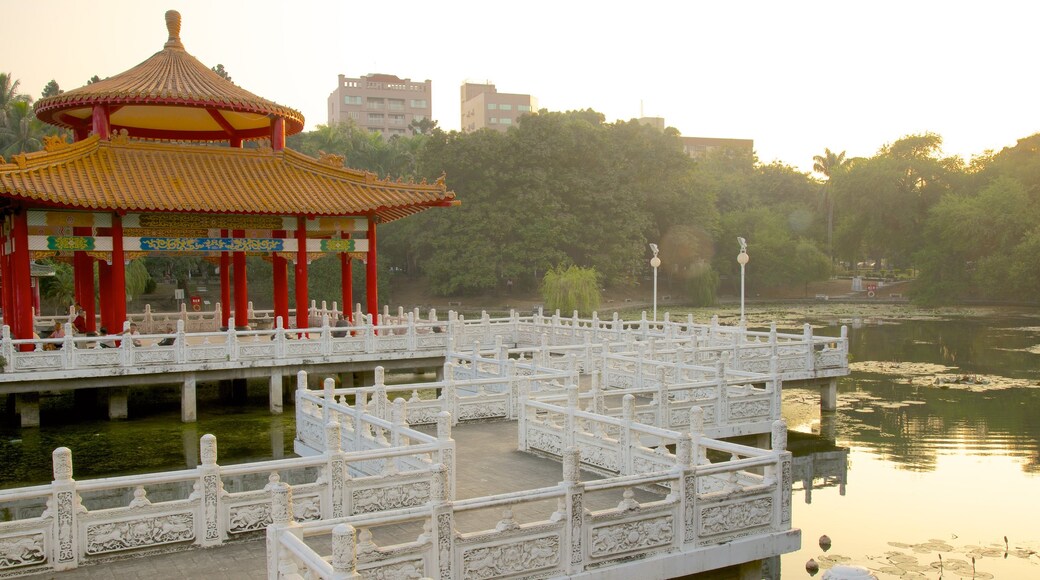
(63, 116)
(153, 177)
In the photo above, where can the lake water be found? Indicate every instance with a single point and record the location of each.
(938, 429)
(941, 420)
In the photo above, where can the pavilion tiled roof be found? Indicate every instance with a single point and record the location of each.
(125, 175)
(209, 107)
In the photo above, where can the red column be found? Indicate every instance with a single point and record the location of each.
(118, 277)
(371, 273)
(241, 291)
(99, 122)
(21, 292)
(302, 303)
(83, 281)
(5, 274)
(346, 269)
(105, 294)
(281, 284)
(278, 134)
(35, 284)
(225, 286)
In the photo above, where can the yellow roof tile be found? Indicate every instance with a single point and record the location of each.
(160, 177)
(171, 95)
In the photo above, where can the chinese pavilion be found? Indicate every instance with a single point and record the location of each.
(133, 184)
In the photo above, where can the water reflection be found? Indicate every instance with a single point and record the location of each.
(155, 442)
(938, 470)
(817, 463)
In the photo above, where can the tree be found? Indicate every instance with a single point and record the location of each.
(22, 131)
(93, 79)
(51, 90)
(571, 289)
(827, 165)
(423, 126)
(885, 199)
(221, 72)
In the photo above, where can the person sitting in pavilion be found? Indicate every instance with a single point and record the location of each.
(80, 322)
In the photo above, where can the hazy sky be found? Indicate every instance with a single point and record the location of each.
(795, 76)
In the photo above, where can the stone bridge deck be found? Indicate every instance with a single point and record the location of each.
(487, 463)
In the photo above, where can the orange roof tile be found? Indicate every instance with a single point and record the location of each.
(160, 177)
(171, 95)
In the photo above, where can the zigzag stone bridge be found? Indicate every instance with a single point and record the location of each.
(633, 410)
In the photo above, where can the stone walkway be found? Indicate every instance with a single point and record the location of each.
(488, 464)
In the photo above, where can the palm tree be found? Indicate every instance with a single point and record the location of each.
(8, 97)
(22, 131)
(827, 165)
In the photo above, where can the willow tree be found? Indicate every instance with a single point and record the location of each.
(571, 289)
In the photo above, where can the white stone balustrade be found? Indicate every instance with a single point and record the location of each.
(740, 505)
(68, 522)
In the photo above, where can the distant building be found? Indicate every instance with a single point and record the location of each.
(483, 106)
(381, 102)
(698, 147)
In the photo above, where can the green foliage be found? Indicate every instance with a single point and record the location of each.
(51, 90)
(702, 287)
(222, 72)
(137, 278)
(556, 188)
(59, 289)
(571, 289)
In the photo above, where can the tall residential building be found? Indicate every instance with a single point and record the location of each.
(483, 106)
(381, 102)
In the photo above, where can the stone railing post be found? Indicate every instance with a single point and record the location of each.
(450, 401)
(628, 416)
(68, 347)
(380, 401)
(810, 351)
(231, 343)
(180, 343)
(521, 414)
(513, 383)
(696, 433)
(337, 471)
(328, 396)
(279, 338)
(442, 527)
(570, 422)
(446, 454)
(325, 337)
(65, 510)
(722, 405)
(574, 492)
(7, 348)
(370, 333)
(412, 340)
(281, 523)
(781, 475)
(344, 552)
(209, 489)
(845, 344)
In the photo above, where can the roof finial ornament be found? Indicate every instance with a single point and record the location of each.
(173, 25)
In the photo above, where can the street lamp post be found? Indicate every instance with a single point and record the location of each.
(655, 262)
(742, 259)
